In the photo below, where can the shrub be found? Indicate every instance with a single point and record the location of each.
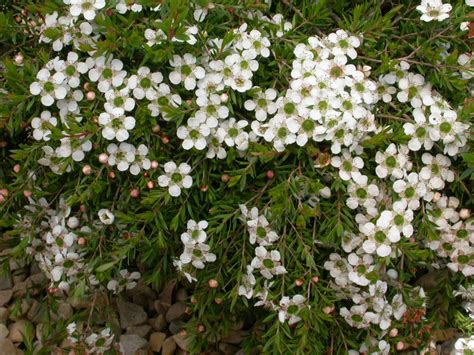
(304, 165)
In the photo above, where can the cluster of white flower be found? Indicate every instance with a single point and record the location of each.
(456, 235)
(269, 264)
(196, 251)
(435, 120)
(94, 343)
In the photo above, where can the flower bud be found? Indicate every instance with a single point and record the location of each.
(465, 213)
(111, 175)
(204, 188)
(393, 332)
(165, 140)
(218, 300)
(90, 96)
(150, 185)
(400, 345)
(213, 283)
(87, 86)
(299, 282)
(224, 97)
(81, 241)
(103, 158)
(436, 197)
(154, 164)
(16, 168)
(134, 193)
(27, 193)
(2, 199)
(201, 328)
(82, 208)
(19, 59)
(328, 309)
(315, 279)
(225, 178)
(86, 170)
(156, 128)
(4, 192)
(270, 174)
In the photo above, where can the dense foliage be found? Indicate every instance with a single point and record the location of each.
(305, 166)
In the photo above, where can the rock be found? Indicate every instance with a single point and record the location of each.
(140, 330)
(142, 295)
(176, 326)
(39, 331)
(161, 307)
(166, 295)
(79, 303)
(7, 347)
(4, 314)
(5, 282)
(3, 331)
(130, 314)
(19, 329)
(131, 343)
(5, 297)
(33, 311)
(176, 311)
(32, 284)
(234, 337)
(180, 351)
(169, 346)
(17, 313)
(237, 325)
(182, 340)
(159, 323)
(65, 311)
(156, 341)
(181, 295)
(228, 349)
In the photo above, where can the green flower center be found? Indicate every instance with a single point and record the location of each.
(420, 132)
(410, 192)
(281, 133)
(186, 70)
(48, 87)
(107, 73)
(118, 101)
(380, 236)
(391, 162)
(261, 232)
(70, 70)
(292, 309)
(361, 193)
(145, 83)
(176, 177)
(308, 125)
(268, 263)
(347, 166)
(445, 127)
(399, 220)
(289, 108)
(233, 132)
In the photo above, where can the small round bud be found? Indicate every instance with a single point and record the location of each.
(154, 164)
(213, 283)
(90, 96)
(393, 332)
(95, 119)
(150, 185)
(204, 188)
(111, 175)
(27, 193)
(225, 178)
(400, 345)
(193, 300)
(328, 309)
(392, 273)
(2, 199)
(134, 193)
(299, 282)
(16, 168)
(126, 235)
(218, 300)
(3, 144)
(19, 59)
(270, 174)
(156, 128)
(103, 158)
(81, 241)
(189, 101)
(201, 328)
(86, 170)
(87, 86)
(465, 213)
(145, 174)
(224, 97)
(315, 279)
(436, 197)
(4, 192)
(165, 140)
(82, 208)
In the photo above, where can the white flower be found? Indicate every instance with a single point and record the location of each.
(268, 262)
(126, 156)
(87, 8)
(289, 308)
(197, 254)
(116, 127)
(254, 44)
(41, 126)
(119, 101)
(392, 162)
(125, 5)
(232, 133)
(71, 68)
(348, 166)
(194, 134)
(108, 72)
(105, 216)
(186, 70)
(125, 281)
(436, 171)
(433, 10)
(362, 194)
(263, 104)
(411, 190)
(99, 343)
(49, 87)
(144, 83)
(195, 233)
(176, 178)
